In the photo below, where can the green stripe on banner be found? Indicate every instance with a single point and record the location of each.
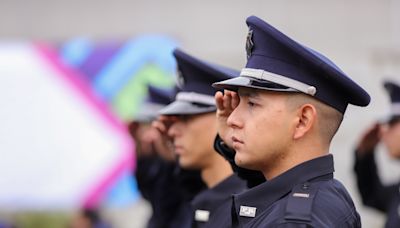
(128, 100)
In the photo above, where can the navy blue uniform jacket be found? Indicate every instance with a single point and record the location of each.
(169, 190)
(304, 196)
(212, 207)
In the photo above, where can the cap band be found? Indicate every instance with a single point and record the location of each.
(195, 98)
(285, 81)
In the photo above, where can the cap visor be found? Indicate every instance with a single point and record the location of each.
(147, 113)
(186, 108)
(248, 82)
(145, 117)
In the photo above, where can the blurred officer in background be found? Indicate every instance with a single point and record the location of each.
(192, 127)
(282, 114)
(168, 188)
(385, 198)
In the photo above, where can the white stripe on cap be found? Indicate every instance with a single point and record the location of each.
(195, 98)
(285, 81)
(395, 108)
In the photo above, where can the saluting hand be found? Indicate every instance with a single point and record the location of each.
(369, 139)
(226, 102)
(163, 144)
(138, 131)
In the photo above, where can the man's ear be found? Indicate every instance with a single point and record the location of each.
(306, 118)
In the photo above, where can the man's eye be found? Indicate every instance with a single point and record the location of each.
(251, 104)
(185, 118)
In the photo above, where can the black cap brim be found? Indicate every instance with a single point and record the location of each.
(186, 108)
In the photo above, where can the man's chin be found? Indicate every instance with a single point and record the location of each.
(241, 161)
(187, 165)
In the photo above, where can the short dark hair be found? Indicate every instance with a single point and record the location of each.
(330, 118)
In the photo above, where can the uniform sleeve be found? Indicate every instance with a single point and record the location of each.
(253, 178)
(147, 171)
(158, 185)
(373, 192)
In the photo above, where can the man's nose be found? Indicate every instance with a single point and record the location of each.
(235, 118)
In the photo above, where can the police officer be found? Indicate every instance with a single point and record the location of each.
(193, 129)
(385, 198)
(281, 114)
(161, 182)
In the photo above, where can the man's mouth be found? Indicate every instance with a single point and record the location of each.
(236, 142)
(178, 149)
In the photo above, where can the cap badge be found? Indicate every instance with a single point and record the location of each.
(180, 80)
(249, 43)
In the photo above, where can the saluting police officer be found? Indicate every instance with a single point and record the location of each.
(168, 188)
(281, 114)
(192, 127)
(385, 198)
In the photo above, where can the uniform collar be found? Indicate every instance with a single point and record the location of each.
(263, 195)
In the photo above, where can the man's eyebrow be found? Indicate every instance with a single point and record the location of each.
(248, 93)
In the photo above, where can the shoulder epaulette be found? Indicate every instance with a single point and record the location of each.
(300, 202)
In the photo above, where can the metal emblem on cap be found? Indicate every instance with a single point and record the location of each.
(246, 211)
(249, 43)
(180, 80)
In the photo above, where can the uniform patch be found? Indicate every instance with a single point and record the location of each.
(302, 195)
(246, 211)
(201, 215)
